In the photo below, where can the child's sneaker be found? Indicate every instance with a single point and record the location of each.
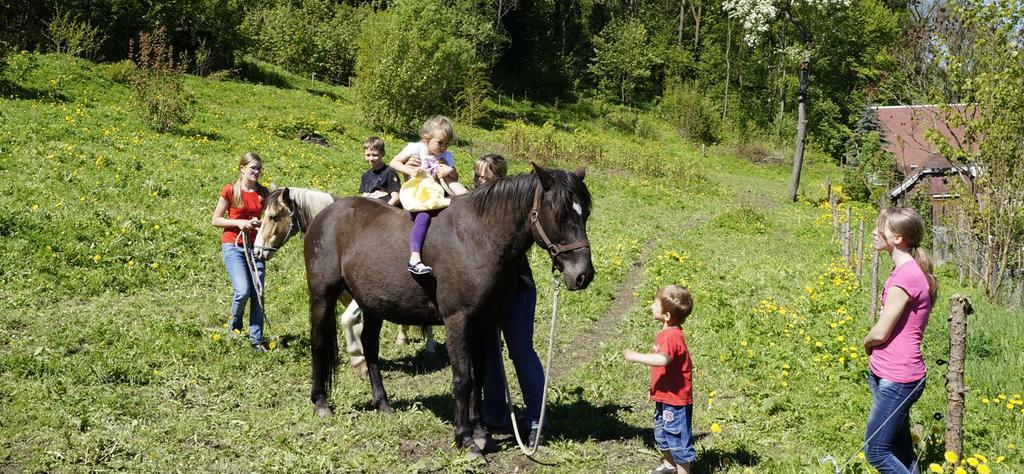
(419, 268)
(664, 469)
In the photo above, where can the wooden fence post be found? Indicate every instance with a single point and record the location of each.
(835, 218)
(873, 304)
(959, 308)
(860, 252)
(828, 190)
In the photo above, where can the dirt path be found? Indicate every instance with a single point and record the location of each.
(588, 343)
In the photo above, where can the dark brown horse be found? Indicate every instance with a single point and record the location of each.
(359, 246)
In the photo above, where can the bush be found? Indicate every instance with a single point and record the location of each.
(68, 35)
(410, 65)
(158, 90)
(548, 146)
(693, 115)
(120, 72)
(314, 37)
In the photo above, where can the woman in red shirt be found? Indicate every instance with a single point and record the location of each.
(242, 201)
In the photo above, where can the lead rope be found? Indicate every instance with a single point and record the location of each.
(250, 263)
(530, 451)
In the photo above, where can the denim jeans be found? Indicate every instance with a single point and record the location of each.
(673, 431)
(517, 326)
(889, 447)
(234, 260)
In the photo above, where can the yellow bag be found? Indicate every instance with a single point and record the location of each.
(422, 193)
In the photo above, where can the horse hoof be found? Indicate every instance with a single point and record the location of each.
(485, 443)
(385, 408)
(324, 412)
(475, 454)
(359, 366)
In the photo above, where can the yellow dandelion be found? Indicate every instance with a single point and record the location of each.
(716, 428)
(860, 455)
(1012, 446)
(818, 344)
(743, 343)
(984, 469)
(216, 337)
(934, 468)
(961, 470)
(1000, 459)
(984, 400)
(840, 338)
(712, 394)
(981, 457)
(97, 258)
(154, 265)
(273, 345)
(785, 384)
(785, 366)
(951, 457)
(1002, 396)
(973, 461)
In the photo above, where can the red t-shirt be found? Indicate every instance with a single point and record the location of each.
(252, 206)
(673, 383)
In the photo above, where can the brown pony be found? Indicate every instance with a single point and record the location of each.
(358, 246)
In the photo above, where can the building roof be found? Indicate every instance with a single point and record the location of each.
(903, 131)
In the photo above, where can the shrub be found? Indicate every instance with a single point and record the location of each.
(410, 65)
(548, 146)
(473, 99)
(312, 37)
(120, 72)
(692, 114)
(68, 35)
(158, 90)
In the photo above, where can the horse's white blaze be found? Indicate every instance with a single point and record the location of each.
(576, 206)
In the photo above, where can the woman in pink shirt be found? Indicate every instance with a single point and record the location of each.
(897, 372)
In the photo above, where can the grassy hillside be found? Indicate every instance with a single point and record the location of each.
(113, 297)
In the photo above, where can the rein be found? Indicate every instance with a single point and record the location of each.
(552, 248)
(250, 263)
(531, 450)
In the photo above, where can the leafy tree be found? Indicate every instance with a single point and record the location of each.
(623, 58)
(410, 65)
(978, 52)
(757, 17)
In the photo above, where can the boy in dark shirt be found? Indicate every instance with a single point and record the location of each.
(380, 181)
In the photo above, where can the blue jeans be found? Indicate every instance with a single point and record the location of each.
(517, 326)
(673, 431)
(889, 447)
(234, 260)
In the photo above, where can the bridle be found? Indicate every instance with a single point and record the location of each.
(293, 228)
(552, 248)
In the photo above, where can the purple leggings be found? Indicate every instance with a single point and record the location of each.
(420, 223)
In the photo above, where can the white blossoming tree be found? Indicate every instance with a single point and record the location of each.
(757, 17)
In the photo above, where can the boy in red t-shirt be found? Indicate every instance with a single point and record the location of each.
(671, 380)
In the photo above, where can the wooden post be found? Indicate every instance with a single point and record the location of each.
(959, 308)
(828, 190)
(846, 241)
(873, 304)
(848, 237)
(835, 217)
(860, 252)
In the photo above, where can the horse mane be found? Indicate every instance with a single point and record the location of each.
(307, 202)
(506, 195)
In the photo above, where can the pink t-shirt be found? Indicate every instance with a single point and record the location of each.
(899, 358)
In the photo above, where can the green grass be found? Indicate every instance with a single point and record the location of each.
(112, 294)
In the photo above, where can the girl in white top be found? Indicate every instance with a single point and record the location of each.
(428, 156)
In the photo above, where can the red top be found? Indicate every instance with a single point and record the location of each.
(252, 206)
(673, 383)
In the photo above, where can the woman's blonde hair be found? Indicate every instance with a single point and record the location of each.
(908, 224)
(675, 300)
(438, 124)
(236, 187)
(496, 164)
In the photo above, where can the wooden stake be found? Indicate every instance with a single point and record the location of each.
(835, 218)
(828, 190)
(959, 308)
(860, 252)
(848, 237)
(873, 304)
